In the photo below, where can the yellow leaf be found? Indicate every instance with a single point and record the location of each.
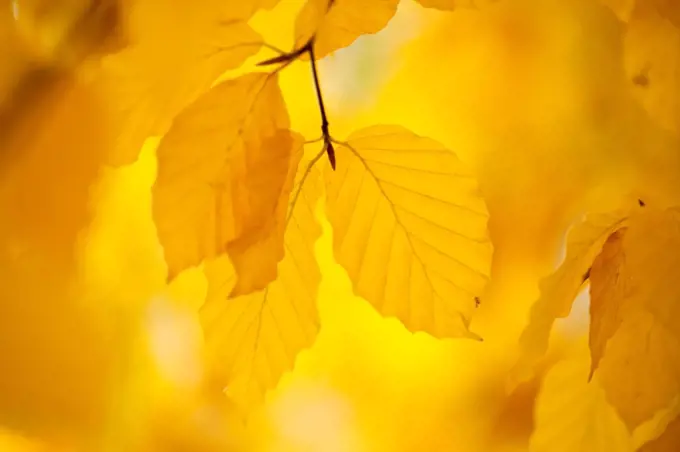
(667, 442)
(608, 287)
(204, 162)
(644, 323)
(648, 354)
(256, 252)
(335, 24)
(252, 340)
(557, 291)
(179, 49)
(572, 414)
(52, 149)
(57, 356)
(65, 32)
(410, 228)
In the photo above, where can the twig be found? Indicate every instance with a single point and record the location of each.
(328, 145)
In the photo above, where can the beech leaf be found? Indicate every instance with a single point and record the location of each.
(558, 290)
(209, 163)
(632, 294)
(252, 340)
(410, 228)
(177, 52)
(572, 413)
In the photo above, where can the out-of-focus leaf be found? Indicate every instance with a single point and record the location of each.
(558, 290)
(335, 24)
(56, 357)
(572, 413)
(253, 339)
(50, 155)
(607, 294)
(212, 158)
(410, 228)
(633, 292)
(206, 422)
(256, 252)
(66, 32)
(177, 51)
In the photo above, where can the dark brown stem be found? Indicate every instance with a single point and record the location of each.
(287, 58)
(328, 145)
(284, 57)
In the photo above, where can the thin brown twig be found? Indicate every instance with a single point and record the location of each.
(327, 140)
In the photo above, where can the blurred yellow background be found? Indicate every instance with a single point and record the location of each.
(99, 355)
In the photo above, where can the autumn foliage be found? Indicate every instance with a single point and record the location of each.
(255, 225)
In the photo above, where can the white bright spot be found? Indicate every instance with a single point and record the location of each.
(15, 9)
(578, 320)
(311, 416)
(351, 77)
(174, 334)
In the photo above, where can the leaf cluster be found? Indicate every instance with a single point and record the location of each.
(237, 189)
(242, 196)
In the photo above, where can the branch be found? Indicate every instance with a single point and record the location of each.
(328, 145)
(286, 58)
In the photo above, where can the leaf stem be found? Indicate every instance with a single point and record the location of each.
(284, 57)
(328, 145)
(319, 96)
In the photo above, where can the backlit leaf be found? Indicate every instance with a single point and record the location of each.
(572, 413)
(410, 228)
(644, 325)
(57, 356)
(558, 290)
(253, 339)
(215, 147)
(178, 50)
(46, 170)
(338, 23)
(66, 32)
(607, 293)
(256, 252)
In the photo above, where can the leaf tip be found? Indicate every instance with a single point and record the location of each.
(586, 276)
(171, 276)
(592, 372)
(239, 290)
(474, 336)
